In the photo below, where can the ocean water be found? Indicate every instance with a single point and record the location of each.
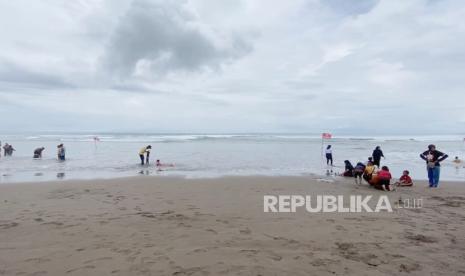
(213, 155)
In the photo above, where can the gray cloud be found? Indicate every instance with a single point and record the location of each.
(188, 66)
(345, 7)
(164, 37)
(14, 77)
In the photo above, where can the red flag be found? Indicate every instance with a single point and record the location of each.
(326, 135)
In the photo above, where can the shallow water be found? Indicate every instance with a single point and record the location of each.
(116, 155)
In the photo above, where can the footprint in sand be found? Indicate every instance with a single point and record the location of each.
(211, 231)
(421, 238)
(245, 231)
(81, 268)
(8, 224)
(409, 267)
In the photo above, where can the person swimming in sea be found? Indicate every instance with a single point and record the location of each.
(159, 164)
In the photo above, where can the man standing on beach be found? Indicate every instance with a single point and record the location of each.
(144, 150)
(377, 154)
(432, 158)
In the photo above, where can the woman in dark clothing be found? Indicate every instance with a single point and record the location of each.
(329, 155)
(377, 154)
(349, 169)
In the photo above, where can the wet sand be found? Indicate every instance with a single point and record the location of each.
(172, 226)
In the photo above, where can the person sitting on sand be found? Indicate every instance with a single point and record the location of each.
(348, 169)
(405, 180)
(358, 172)
(38, 152)
(384, 179)
(145, 150)
(61, 152)
(370, 169)
(457, 160)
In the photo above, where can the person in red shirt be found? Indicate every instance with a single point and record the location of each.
(384, 177)
(405, 179)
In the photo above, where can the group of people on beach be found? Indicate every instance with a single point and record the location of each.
(380, 177)
(144, 154)
(37, 154)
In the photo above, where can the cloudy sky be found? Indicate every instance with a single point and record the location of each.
(361, 66)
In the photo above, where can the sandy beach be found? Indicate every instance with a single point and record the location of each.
(172, 226)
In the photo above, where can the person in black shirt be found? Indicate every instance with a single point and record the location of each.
(432, 158)
(377, 154)
(348, 169)
(38, 152)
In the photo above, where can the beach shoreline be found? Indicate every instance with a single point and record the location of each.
(148, 225)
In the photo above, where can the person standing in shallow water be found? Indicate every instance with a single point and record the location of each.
(377, 154)
(329, 155)
(142, 152)
(432, 158)
(38, 153)
(61, 152)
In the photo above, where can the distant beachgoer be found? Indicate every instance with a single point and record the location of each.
(433, 157)
(142, 152)
(5, 149)
(457, 160)
(370, 169)
(405, 179)
(377, 154)
(159, 164)
(8, 149)
(384, 179)
(348, 169)
(61, 152)
(329, 155)
(38, 152)
(358, 172)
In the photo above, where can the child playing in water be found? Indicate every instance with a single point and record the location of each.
(160, 165)
(405, 179)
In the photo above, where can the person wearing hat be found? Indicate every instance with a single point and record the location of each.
(433, 157)
(61, 152)
(142, 152)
